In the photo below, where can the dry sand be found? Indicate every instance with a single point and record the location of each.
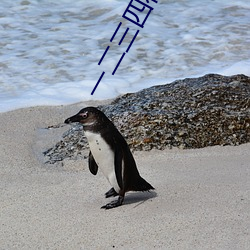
(201, 201)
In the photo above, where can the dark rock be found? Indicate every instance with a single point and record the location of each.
(190, 113)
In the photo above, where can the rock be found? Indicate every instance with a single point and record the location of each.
(190, 113)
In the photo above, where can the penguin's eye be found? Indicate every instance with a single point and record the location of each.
(84, 115)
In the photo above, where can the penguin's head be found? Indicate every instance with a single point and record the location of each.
(88, 117)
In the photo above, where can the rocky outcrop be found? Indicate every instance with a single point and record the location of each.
(190, 113)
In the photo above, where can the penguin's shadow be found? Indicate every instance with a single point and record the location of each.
(137, 198)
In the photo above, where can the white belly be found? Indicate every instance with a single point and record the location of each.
(104, 157)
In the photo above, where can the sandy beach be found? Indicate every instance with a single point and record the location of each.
(201, 198)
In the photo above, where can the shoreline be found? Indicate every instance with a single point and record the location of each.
(201, 198)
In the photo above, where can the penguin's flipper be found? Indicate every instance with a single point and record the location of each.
(111, 193)
(93, 167)
(113, 204)
(118, 166)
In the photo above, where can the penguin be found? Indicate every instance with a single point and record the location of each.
(110, 152)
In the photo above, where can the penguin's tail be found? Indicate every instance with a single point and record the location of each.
(141, 185)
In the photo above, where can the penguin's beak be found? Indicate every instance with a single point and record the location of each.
(74, 118)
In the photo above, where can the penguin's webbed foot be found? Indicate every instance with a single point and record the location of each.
(113, 204)
(111, 193)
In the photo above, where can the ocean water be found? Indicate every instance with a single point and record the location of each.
(49, 50)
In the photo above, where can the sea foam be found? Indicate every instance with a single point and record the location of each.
(50, 50)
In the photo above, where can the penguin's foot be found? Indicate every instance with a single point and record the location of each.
(113, 204)
(111, 193)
